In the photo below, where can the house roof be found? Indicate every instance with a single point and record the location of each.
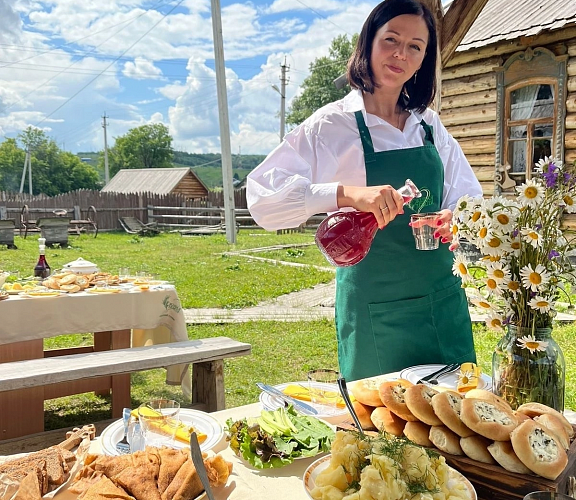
(148, 180)
(509, 19)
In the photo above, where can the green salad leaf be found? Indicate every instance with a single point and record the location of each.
(276, 438)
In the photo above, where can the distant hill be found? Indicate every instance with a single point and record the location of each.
(206, 166)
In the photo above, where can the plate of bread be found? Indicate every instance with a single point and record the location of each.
(201, 422)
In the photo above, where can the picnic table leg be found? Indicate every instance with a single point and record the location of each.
(208, 384)
(21, 411)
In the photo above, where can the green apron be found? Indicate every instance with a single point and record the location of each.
(400, 306)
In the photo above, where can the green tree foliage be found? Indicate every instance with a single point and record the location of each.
(147, 146)
(318, 89)
(53, 171)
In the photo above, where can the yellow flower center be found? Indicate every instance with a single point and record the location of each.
(498, 273)
(503, 219)
(513, 285)
(496, 322)
(462, 268)
(532, 345)
(568, 200)
(485, 305)
(535, 278)
(483, 232)
(454, 230)
(542, 303)
(494, 242)
(515, 245)
(533, 235)
(491, 283)
(476, 216)
(531, 192)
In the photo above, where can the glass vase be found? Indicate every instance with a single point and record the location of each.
(528, 366)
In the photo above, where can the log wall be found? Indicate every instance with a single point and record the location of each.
(468, 103)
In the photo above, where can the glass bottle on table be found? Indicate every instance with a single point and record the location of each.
(42, 269)
(345, 237)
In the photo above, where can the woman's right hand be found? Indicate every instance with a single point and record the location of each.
(383, 201)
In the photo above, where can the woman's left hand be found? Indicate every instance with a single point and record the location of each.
(444, 228)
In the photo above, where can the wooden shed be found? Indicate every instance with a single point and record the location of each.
(509, 90)
(158, 181)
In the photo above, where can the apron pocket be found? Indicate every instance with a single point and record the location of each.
(435, 328)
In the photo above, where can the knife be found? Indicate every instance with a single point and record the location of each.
(437, 373)
(198, 462)
(299, 406)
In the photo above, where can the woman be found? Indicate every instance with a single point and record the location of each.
(399, 306)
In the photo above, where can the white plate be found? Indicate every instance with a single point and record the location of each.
(322, 463)
(325, 413)
(204, 422)
(450, 380)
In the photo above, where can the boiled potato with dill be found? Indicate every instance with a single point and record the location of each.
(374, 468)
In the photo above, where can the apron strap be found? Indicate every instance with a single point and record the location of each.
(365, 136)
(429, 133)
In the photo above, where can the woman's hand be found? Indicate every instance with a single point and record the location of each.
(443, 226)
(383, 201)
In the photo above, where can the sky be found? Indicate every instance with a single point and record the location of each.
(66, 63)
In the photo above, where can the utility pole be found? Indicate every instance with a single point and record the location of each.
(106, 170)
(229, 215)
(282, 91)
(27, 166)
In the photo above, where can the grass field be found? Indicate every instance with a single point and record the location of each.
(205, 277)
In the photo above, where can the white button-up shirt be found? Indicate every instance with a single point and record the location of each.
(300, 177)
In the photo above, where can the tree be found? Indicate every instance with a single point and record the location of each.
(147, 146)
(318, 89)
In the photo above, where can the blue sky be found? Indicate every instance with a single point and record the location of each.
(64, 63)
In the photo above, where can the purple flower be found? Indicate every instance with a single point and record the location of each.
(553, 254)
(551, 176)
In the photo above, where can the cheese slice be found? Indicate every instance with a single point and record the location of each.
(303, 394)
(182, 432)
(468, 377)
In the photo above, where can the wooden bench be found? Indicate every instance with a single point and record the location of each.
(206, 356)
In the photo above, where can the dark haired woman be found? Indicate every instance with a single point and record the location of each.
(399, 306)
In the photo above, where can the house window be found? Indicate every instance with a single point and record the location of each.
(530, 128)
(530, 114)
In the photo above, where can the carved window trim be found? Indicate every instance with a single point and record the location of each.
(532, 66)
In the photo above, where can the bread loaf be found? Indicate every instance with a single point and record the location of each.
(366, 391)
(392, 396)
(364, 412)
(445, 440)
(447, 408)
(535, 409)
(476, 448)
(418, 432)
(488, 418)
(486, 395)
(384, 420)
(505, 455)
(538, 449)
(553, 423)
(418, 399)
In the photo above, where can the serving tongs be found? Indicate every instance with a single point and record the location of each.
(346, 397)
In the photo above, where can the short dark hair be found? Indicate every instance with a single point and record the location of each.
(359, 71)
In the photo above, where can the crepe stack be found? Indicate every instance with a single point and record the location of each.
(151, 474)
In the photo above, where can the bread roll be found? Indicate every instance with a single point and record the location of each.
(418, 432)
(445, 440)
(476, 448)
(506, 457)
(486, 395)
(538, 449)
(447, 408)
(488, 418)
(366, 391)
(385, 420)
(418, 399)
(520, 416)
(534, 409)
(392, 395)
(70, 288)
(554, 424)
(364, 411)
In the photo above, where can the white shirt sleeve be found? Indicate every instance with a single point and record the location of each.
(459, 178)
(293, 182)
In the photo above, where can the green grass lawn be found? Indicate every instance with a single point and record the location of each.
(204, 277)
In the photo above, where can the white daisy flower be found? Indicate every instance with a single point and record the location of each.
(483, 235)
(494, 321)
(482, 303)
(503, 220)
(532, 237)
(529, 342)
(534, 278)
(494, 246)
(498, 271)
(492, 286)
(460, 268)
(512, 287)
(569, 203)
(541, 304)
(531, 192)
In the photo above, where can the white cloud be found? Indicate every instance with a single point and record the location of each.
(141, 69)
(295, 5)
(172, 91)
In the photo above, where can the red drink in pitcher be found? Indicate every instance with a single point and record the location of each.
(345, 237)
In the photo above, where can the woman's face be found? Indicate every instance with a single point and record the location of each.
(398, 50)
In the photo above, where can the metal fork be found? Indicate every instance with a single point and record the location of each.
(448, 369)
(123, 446)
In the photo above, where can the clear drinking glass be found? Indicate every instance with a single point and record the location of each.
(159, 420)
(323, 388)
(423, 228)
